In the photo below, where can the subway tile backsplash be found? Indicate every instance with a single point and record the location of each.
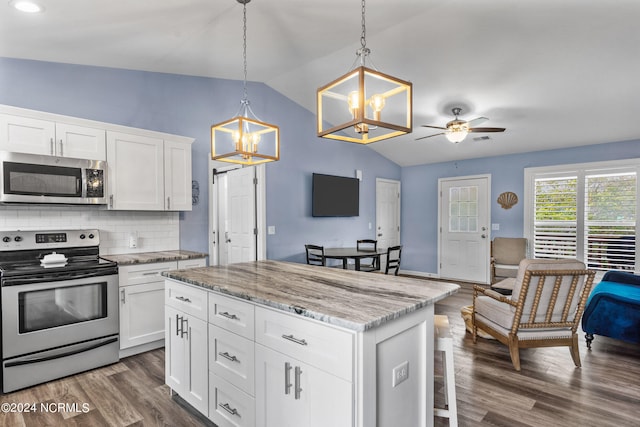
(155, 231)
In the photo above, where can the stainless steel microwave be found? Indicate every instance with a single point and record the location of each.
(34, 178)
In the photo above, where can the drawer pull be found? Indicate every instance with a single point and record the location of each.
(287, 377)
(151, 273)
(228, 356)
(294, 339)
(229, 409)
(183, 299)
(229, 316)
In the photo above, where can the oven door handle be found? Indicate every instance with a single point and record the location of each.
(54, 278)
(58, 356)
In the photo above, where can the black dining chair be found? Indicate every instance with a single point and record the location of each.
(315, 255)
(393, 259)
(368, 264)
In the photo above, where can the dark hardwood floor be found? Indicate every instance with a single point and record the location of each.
(549, 391)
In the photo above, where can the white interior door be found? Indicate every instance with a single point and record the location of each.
(233, 217)
(240, 232)
(464, 228)
(387, 214)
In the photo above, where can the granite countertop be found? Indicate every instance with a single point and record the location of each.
(351, 299)
(149, 257)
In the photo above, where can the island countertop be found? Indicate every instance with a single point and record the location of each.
(351, 299)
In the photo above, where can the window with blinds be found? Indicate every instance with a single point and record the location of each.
(556, 213)
(587, 213)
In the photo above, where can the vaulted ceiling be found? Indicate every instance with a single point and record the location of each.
(555, 73)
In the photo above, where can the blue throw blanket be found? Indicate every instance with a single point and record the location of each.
(613, 308)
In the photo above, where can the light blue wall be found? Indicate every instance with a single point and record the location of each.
(420, 194)
(188, 106)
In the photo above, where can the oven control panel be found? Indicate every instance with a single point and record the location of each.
(23, 240)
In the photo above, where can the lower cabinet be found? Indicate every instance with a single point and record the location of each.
(186, 358)
(292, 393)
(142, 322)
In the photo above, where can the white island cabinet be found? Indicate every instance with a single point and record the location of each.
(295, 345)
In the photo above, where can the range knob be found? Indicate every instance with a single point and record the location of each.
(91, 236)
(6, 239)
(82, 236)
(18, 238)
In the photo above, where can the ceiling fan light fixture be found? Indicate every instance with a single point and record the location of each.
(364, 105)
(456, 136)
(245, 140)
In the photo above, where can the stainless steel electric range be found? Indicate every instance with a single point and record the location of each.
(59, 306)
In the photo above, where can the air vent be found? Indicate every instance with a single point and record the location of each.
(481, 138)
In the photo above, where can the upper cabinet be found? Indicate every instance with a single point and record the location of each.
(31, 135)
(147, 170)
(177, 176)
(148, 173)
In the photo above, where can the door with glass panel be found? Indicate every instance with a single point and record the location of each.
(464, 228)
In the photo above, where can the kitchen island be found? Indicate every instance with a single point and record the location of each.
(272, 343)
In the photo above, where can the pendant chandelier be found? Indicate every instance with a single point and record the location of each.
(364, 105)
(245, 139)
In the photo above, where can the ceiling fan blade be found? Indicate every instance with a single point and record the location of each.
(486, 129)
(433, 127)
(477, 121)
(429, 136)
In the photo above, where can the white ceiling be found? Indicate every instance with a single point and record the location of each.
(555, 73)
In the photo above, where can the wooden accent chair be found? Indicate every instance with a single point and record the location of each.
(544, 309)
(394, 253)
(368, 264)
(315, 255)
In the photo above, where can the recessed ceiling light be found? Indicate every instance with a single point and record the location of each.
(27, 6)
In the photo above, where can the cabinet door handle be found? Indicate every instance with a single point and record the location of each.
(183, 299)
(168, 203)
(111, 201)
(229, 316)
(53, 146)
(122, 296)
(298, 389)
(295, 340)
(228, 356)
(61, 152)
(229, 409)
(185, 331)
(287, 377)
(178, 322)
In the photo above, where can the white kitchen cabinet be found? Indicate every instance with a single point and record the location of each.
(186, 344)
(177, 176)
(186, 358)
(148, 173)
(142, 306)
(192, 263)
(136, 172)
(36, 136)
(292, 393)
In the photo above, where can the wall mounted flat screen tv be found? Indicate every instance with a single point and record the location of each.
(335, 196)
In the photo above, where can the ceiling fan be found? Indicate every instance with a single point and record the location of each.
(456, 130)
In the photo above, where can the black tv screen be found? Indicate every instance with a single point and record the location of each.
(335, 196)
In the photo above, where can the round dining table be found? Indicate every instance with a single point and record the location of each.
(345, 254)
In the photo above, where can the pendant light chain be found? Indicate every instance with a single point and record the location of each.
(363, 52)
(244, 50)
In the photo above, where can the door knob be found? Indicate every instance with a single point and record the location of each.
(484, 236)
